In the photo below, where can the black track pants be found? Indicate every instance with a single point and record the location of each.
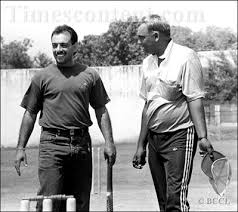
(171, 160)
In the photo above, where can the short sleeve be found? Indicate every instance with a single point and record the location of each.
(32, 100)
(98, 95)
(143, 91)
(192, 79)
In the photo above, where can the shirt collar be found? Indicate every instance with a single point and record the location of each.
(167, 50)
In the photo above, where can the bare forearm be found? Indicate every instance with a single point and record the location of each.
(197, 113)
(104, 124)
(26, 129)
(142, 141)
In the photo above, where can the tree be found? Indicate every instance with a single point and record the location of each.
(41, 60)
(183, 36)
(118, 46)
(89, 51)
(213, 38)
(14, 54)
(2, 41)
(223, 38)
(121, 43)
(221, 82)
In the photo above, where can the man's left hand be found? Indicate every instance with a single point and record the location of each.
(110, 153)
(205, 146)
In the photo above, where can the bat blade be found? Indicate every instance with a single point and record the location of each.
(109, 188)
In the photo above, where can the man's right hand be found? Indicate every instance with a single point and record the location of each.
(139, 158)
(20, 156)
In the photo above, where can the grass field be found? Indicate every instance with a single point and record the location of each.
(133, 189)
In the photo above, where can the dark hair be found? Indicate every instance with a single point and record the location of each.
(158, 23)
(66, 28)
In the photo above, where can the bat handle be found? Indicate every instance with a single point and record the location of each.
(109, 177)
(109, 204)
(109, 188)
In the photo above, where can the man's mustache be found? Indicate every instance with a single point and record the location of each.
(60, 52)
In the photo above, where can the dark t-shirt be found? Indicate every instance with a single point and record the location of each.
(63, 96)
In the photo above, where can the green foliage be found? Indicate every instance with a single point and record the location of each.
(221, 81)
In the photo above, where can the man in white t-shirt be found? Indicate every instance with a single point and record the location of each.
(173, 118)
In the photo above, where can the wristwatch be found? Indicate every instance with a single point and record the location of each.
(200, 138)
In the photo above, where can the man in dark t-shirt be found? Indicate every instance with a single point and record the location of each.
(62, 93)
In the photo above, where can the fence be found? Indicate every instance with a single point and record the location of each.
(225, 115)
(122, 85)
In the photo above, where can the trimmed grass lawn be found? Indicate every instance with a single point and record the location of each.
(125, 177)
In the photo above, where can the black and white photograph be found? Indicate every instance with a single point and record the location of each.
(118, 106)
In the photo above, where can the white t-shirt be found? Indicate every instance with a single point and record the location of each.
(168, 88)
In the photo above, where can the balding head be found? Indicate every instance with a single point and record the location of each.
(143, 30)
(154, 35)
(158, 23)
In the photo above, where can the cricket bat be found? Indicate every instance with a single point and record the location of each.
(109, 188)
